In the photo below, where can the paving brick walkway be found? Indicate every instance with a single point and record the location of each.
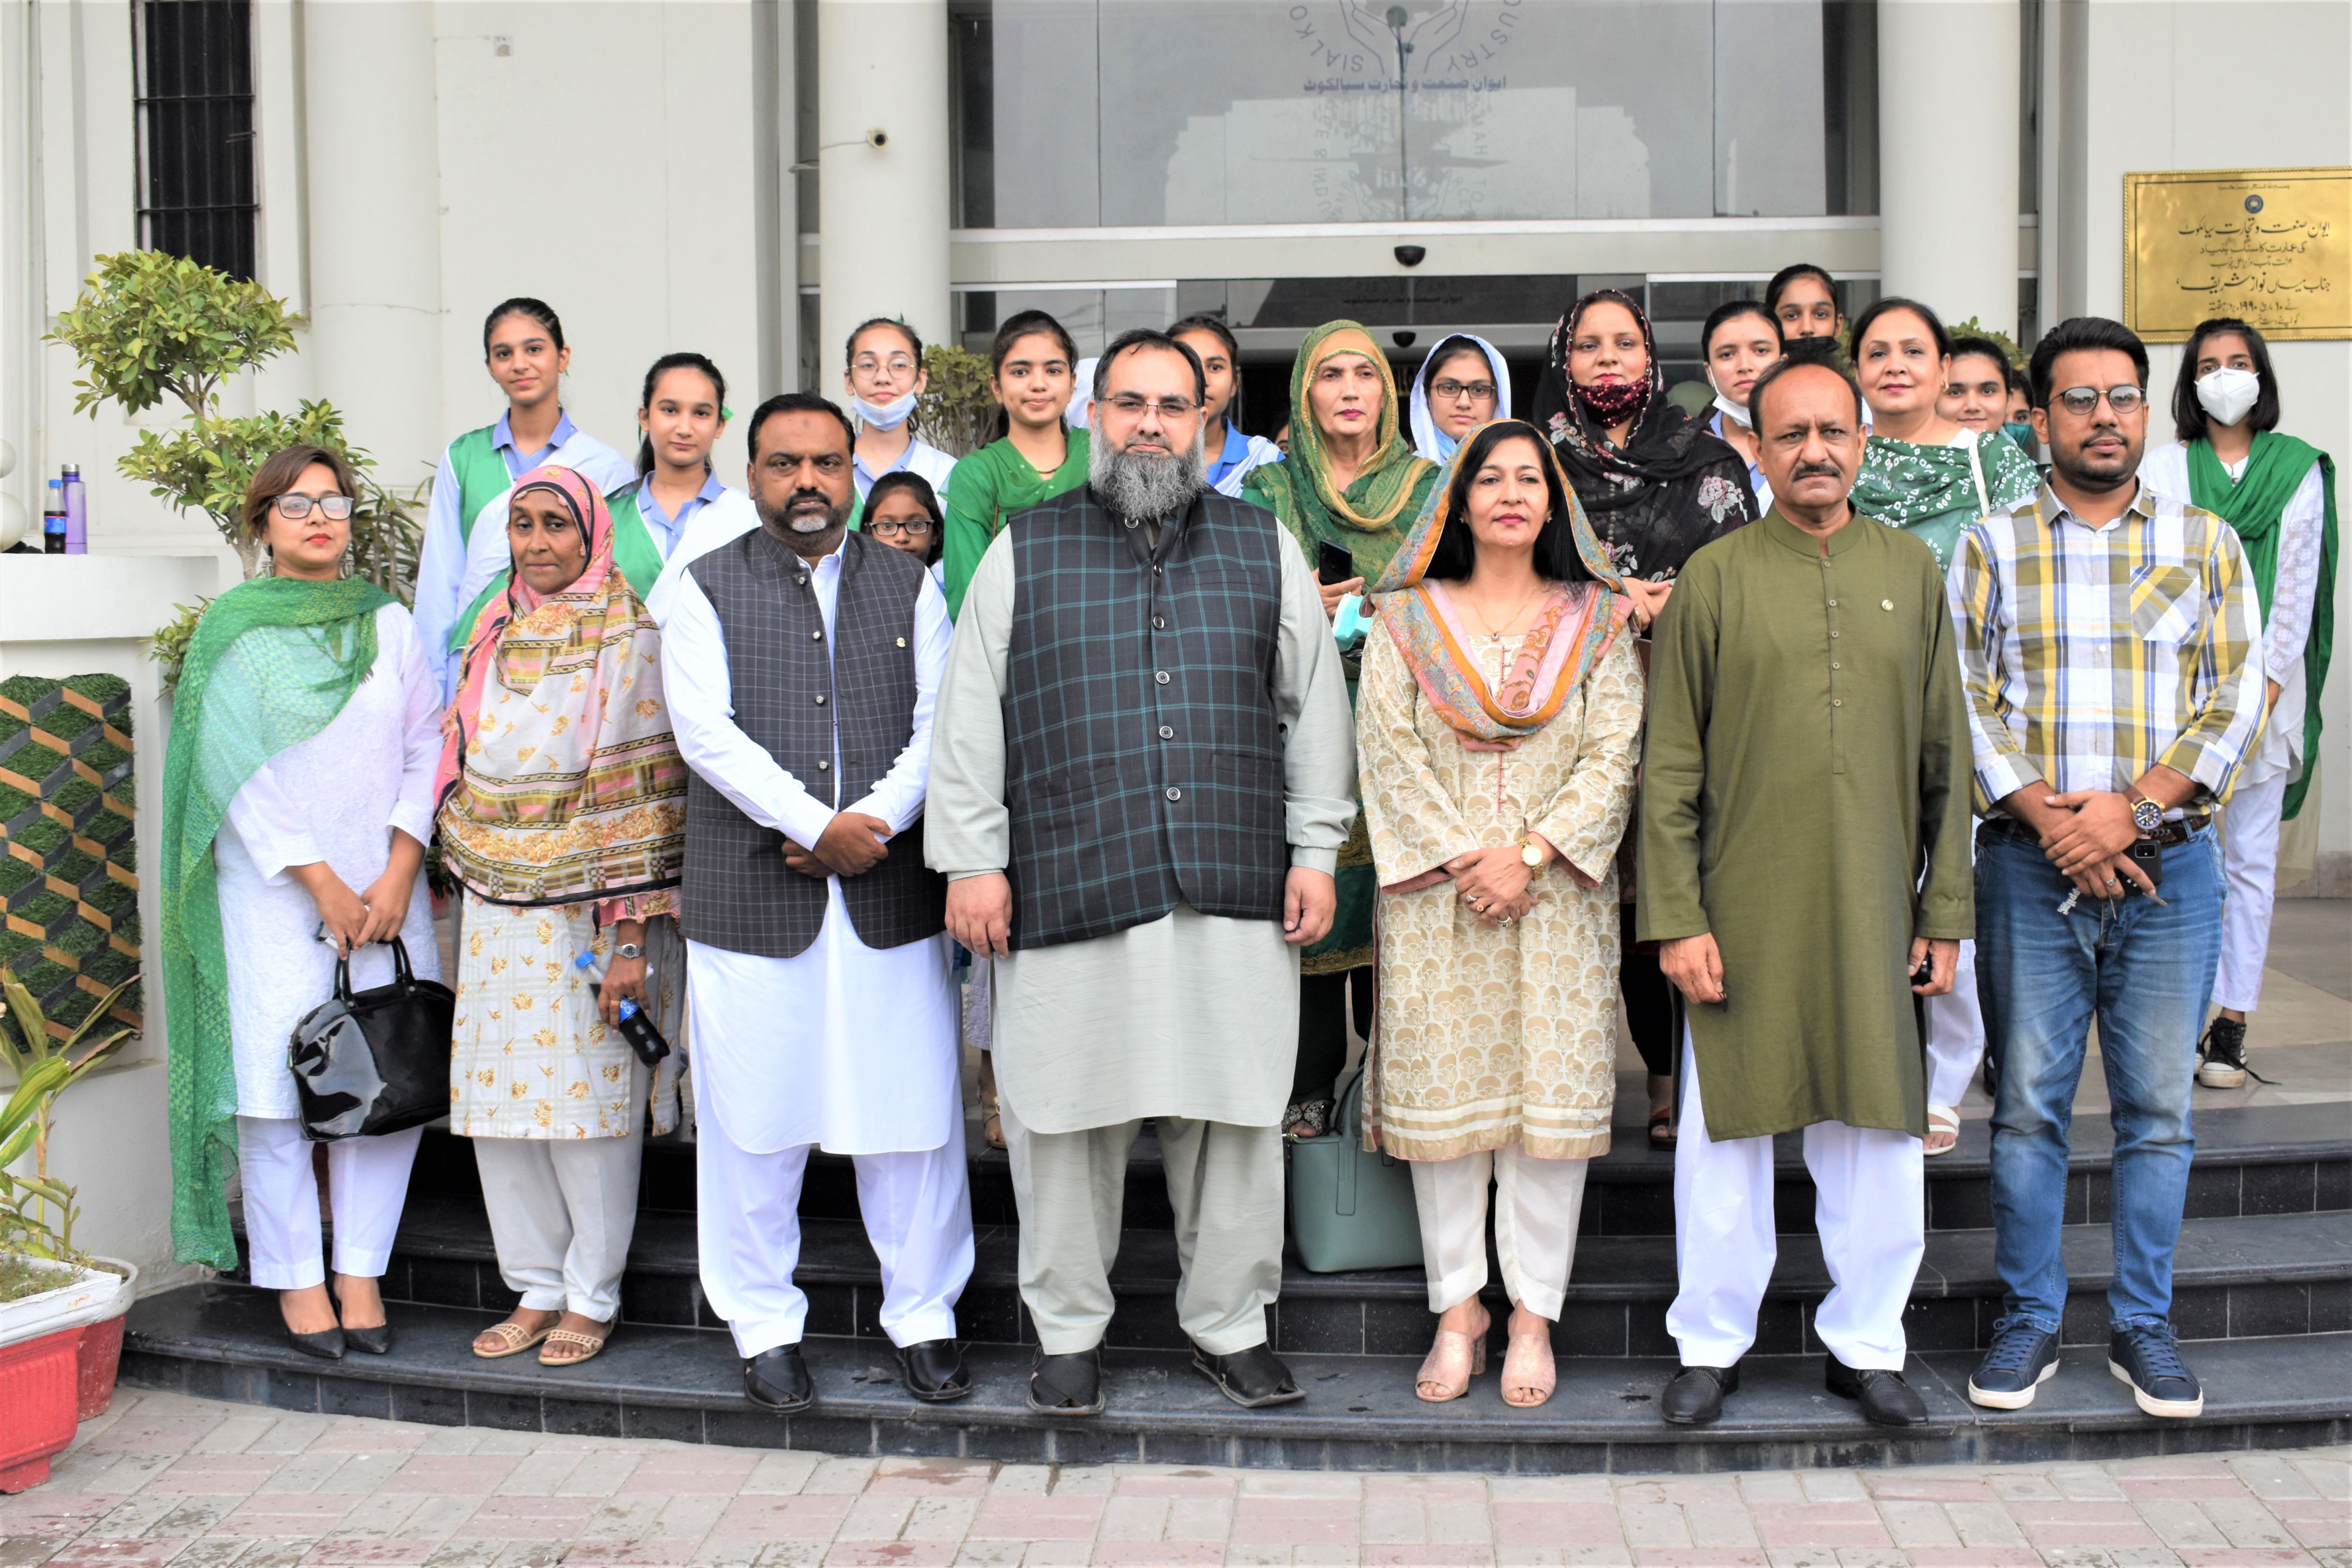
(163, 1479)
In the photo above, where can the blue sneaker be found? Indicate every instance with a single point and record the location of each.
(2022, 1358)
(2147, 1356)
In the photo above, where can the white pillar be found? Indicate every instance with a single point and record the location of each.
(1948, 174)
(374, 185)
(882, 212)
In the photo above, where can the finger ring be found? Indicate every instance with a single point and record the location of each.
(2111, 882)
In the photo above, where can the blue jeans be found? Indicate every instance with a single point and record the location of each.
(2146, 972)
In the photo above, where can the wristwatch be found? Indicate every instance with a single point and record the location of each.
(627, 949)
(1531, 855)
(2146, 814)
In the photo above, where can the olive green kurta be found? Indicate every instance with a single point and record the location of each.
(1805, 798)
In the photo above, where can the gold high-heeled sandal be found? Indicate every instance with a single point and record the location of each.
(1455, 1358)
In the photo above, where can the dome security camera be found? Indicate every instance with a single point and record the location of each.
(878, 138)
(1411, 255)
(1403, 340)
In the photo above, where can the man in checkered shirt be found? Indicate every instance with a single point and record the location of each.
(2106, 642)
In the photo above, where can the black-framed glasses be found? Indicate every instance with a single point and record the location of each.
(2080, 400)
(913, 528)
(1448, 391)
(294, 508)
(1134, 404)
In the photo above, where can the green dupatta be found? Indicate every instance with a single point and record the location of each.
(1931, 491)
(2255, 505)
(1371, 517)
(272, 661)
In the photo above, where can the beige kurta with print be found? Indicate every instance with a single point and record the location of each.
(1491, 1036)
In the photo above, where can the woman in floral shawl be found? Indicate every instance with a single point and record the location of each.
(1497, 731)
(1352, 483)
(1656, 486)
(564, 813)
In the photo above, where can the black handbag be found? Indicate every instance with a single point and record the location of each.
(377, 1062)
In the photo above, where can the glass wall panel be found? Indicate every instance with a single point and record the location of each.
(1246, 112)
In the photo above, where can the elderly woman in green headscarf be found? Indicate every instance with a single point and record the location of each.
(1351, 482)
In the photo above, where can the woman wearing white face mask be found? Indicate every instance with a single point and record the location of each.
(2279, 493)
(1740, 342)
(884, 375)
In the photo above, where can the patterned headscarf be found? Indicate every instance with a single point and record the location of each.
(1579, 620)
(1671, 488)
(559, 781)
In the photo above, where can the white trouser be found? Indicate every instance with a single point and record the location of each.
(561, 1212)
(1537, 1202)
(1956, 1036)
(1869, 1205)
(367, 1183)
(2250, 851)
(918, 1209)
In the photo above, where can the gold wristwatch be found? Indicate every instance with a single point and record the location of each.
(1531, 856)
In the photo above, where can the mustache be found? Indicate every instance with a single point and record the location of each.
(1811, 471)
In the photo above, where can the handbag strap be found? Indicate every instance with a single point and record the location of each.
(1976, 467)
(342, 975)
(1344, 1113)
(401, 973)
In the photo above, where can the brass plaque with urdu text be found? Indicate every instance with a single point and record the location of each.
(2271, 247)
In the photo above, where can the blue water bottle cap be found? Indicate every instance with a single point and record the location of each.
(584, 961)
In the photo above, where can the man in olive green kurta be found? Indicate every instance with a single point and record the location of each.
(1804, 847)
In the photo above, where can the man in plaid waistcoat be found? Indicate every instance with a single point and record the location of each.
(1143, 770)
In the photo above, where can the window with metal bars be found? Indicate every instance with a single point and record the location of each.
(194, 59)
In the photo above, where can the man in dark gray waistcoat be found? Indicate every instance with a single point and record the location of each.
(1141, 776)
(805, 661)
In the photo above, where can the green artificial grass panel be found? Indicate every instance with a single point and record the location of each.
(73, 1009)
(10, 724)
(106, 827)
(127, 792)
(65, 721)
(110, 896)
(99, 689)
(46, 909)
(43, 976)
(36, 762)
(74, 795)
(14, 874)
(103, 756)
(44, 837)
(13, 801)
(26, 689)
(81, 939)
(16, 944)
(111, 968)
(76, 864)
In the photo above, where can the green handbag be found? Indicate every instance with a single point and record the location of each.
(1349, 1208)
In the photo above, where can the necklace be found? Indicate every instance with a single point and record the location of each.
(1488, 627)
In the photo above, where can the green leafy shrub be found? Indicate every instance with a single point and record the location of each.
(956, 404)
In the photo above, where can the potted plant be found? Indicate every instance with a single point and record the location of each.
(60, 1309)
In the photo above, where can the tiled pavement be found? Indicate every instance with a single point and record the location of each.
(165, 1478)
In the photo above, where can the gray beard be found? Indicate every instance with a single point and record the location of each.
(795, 527)
(1146, 486)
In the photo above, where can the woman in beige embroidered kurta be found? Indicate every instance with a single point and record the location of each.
(1495, 1037)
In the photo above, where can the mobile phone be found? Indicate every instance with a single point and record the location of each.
(2148, 856)
(1333, 565)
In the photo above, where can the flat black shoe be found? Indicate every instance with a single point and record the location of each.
(1693, 1396)
(1068, 1384)
(1253, 1379)
(933, 1370)
(327, 1344)
(778, 1379)
(376, 1341)
(1886, 1399)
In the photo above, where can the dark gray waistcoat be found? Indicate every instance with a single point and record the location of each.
(798, 695)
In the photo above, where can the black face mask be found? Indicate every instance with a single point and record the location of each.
(1609, 405)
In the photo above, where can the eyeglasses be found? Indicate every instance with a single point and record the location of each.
(915, 527)
(294, 508)
(2080, 400)
(1133, 405)
(1448, 391)
(897, 364)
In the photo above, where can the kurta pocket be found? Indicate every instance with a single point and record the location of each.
(2165, 602)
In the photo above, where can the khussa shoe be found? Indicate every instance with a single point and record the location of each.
(1068, 1384)
(1253, 1379)
(1886, 1399)
(933, 1370)
(2146, 1357)
(778, 1379)
(2022, 1358)
(1694, 1396)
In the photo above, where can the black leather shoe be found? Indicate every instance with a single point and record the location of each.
(1068, 1384)
(327, 1344)
(1886, 1399)
(933, 1370)
(778, 1379)
(376, 1341)
(1253, 1379)
(1693, 1396)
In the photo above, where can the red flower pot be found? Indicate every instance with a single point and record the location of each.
(38, 1381)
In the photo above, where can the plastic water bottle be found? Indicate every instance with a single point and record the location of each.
(635, 1027)
(53, 520)
(76, 510)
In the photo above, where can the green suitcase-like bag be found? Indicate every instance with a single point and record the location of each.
(1348, 1208)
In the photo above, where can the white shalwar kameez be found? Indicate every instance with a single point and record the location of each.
(336, 797)
(844, 1047)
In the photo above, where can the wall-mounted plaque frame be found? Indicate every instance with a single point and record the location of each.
(2271, 247)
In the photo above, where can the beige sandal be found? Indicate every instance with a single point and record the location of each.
(1455, 1358)
(516, 1337)
(589, 1344)
(1528, 1368)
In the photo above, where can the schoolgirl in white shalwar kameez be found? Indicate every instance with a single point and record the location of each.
(844, 1047)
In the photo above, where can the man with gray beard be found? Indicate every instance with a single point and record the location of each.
(1142, 771)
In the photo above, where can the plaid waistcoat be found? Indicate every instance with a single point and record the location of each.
(799, 698)
(1143, 759)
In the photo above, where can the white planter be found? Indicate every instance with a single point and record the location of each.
(92, 1296)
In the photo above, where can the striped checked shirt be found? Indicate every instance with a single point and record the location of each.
(2092, 653)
